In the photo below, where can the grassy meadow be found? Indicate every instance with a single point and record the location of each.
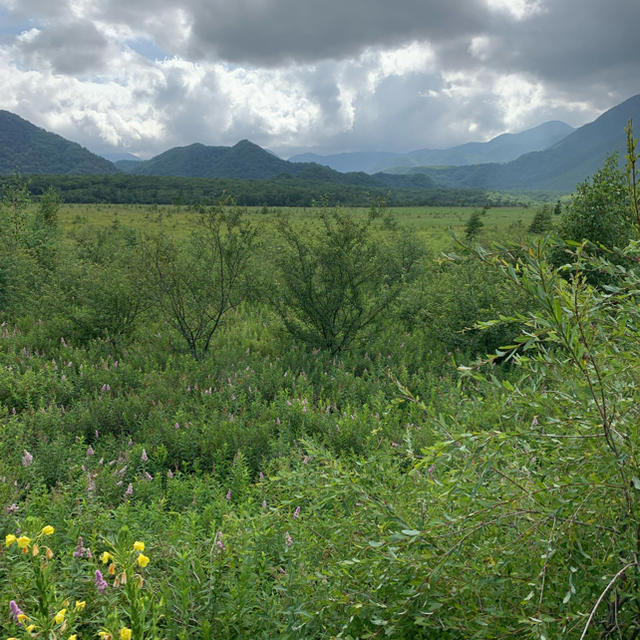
(267, 429)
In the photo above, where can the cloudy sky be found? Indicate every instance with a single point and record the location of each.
(321, 75)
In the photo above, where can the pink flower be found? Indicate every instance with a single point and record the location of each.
(90, 451)
(144, 457)
(228, 496)
(101, 584)
(27, 458)
(15, 611)
(261, 476)
(287, 539)
(296, 513)
(129, 490)
(169, 474)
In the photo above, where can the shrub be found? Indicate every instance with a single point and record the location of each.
(338, 278)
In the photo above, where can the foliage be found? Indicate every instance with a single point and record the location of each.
(599, 211)
(196, 285)
(337, 279)
(541, 222)
(473, 226)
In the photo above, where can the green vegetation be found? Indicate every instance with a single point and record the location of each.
(27, 149)
(433, 446)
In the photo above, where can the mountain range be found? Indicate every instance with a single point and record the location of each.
(558, 168)
(27, 149)
(569, 157)
(503, 148)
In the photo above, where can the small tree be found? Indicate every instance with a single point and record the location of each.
(599, 211)
(473, 226)
(195, 284)
(541, 222)
(339, 277)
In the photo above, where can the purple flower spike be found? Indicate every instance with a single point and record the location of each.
(15, 611)
(101, 584)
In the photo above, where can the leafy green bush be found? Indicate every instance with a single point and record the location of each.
(336, 279)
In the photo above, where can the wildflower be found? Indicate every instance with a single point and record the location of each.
(261, 476)
(169, 474)
(90, 451)
(534, 422)
(296, 513)
(105, 635)
(9, 539)
(73, 636)
(142, 560)
(48, 530)
(27, 458)
(125, 633)
(101, 584)
(228, 496)
(129, 490)
(112, 569)
(48, 553)
(80, 605)
(23, 542)
(16, 612)
(144, 457)
(219, 541)
(59, 617)
(30, 628)
(148, 476)
(105, 556)
(138, 546)
(12, 508)
(287, 539)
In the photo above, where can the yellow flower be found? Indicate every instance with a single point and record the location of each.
(73, 637)
(80, 605)
(30, 628)
(138, 546)
(125, 633)
(23, 542)
(142, 560)
(12, 638)
(104, 635)
(48, 530)
(9, 539)
(21, 617)
(105, 557)
(59, 617)
(112, 569)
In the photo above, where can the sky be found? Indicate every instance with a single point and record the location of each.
(328, 76)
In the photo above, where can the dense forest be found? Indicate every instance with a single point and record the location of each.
(284, 190)
(314, 425)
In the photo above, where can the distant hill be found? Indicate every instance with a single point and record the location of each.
(27, 149)
(557, 168)
(120, 156)
(243, 160)
(503, 148)
(246, 160)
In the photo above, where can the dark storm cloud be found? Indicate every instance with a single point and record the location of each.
(269, 32)
(69, 49)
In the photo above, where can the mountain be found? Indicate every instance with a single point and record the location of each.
(558, 168)
(120, 156)
(27, 149)
(246, 160)
(243, 160)
(503, 148)
(356, 161)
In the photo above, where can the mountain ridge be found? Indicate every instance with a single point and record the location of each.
(502, 148)
(28, 149)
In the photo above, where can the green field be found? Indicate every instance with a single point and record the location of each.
(295, 423)
(433, 224)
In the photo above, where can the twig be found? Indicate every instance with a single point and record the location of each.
(602, 595)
